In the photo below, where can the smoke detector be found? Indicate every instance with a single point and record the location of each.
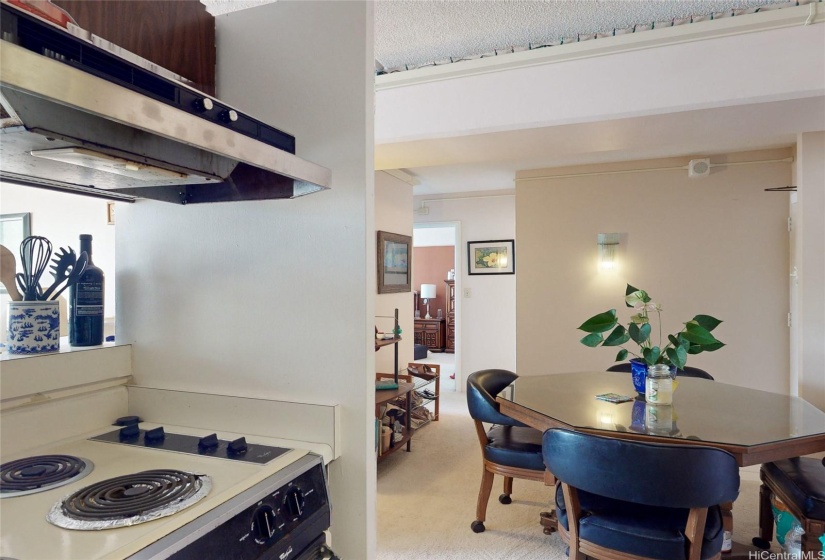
(699, 168)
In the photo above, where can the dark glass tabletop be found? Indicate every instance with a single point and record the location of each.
(702, 409)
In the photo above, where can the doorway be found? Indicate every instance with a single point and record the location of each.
(435, 266)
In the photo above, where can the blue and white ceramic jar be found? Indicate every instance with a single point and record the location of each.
(34, 327)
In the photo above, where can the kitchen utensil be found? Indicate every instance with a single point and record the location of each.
(77, 271)
(8, 267)
(21, 282)
(63, 263)
(35, 252)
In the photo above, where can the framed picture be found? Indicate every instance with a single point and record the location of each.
(394, 256)
(491, 257)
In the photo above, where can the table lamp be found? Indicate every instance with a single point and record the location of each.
(427, 293)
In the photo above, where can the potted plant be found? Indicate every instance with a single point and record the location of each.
(694, 338)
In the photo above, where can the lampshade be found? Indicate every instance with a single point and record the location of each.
(427, 291)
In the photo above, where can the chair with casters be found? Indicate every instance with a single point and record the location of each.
(800, 484)
(622, 499)
(688, 371)
(509, 448)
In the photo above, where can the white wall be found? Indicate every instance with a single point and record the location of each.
(393, 199)
(486, 321)
(809, 234)
(434, 237)
(275, 299)
(716, 246)
(718, 72)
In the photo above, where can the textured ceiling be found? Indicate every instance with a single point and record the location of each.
(416, 32)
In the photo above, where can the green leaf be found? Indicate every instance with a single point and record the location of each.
(629, 290)
(622, 355)
(592, 340)
(639, 319)
(707, 322)
(711, 347)
(639, 334)
(618, 337)
(639, 296)
(678, 356)
(600, 323)
(697, 334)
(652, 355)
(695, 349)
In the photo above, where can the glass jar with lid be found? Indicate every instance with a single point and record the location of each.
(659, 385)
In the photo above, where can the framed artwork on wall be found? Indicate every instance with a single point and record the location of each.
(491, 257)
(394, 256)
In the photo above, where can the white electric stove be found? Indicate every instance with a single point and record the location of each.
(144, 491)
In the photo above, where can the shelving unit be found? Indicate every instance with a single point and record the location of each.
(384, 397)
(449, 340)
(418, 377)
(394, 340)
(423, 379)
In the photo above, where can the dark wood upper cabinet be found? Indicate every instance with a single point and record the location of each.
(178, 35)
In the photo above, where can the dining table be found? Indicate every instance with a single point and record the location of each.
(754, 426)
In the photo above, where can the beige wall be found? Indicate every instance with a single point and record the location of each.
(808, 290)
(716, 245)
(274, 298)
(393, 200)
(486, 316)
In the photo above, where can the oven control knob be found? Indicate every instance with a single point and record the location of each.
(237, 447)
(204, 104)
(264, 524)
(294, 502)
(131, 431)
(208, 442)
(155, 435)
(229, 115)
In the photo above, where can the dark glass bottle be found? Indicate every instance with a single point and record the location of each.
(86, 302)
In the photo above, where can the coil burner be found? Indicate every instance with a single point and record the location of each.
(129, 500)
(40, 473)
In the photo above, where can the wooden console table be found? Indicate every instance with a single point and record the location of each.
(430, 333)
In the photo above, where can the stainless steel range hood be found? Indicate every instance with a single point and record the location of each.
(62, 127)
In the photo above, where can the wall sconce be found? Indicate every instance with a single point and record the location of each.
(427, 293)
(608, 244)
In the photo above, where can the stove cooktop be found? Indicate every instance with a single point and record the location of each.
(40, 473)
(26, 533)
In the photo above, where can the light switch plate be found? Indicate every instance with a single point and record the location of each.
(467, 293)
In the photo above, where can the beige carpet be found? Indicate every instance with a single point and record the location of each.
(447, 363)
(427, 499)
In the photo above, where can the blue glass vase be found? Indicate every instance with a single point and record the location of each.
(638, 370)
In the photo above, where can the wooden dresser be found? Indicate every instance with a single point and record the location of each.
(450, 334)
(430, 333)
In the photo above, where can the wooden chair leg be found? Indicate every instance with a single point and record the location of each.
(765, 514)
(483, 498)
(508, 489)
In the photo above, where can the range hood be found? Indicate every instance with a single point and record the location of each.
(76, 117)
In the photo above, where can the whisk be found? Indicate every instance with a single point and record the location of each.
(35, 252)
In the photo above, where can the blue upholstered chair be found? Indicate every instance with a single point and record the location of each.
(626, 499)
(508, 448)
(800, 484)
(687, 372)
